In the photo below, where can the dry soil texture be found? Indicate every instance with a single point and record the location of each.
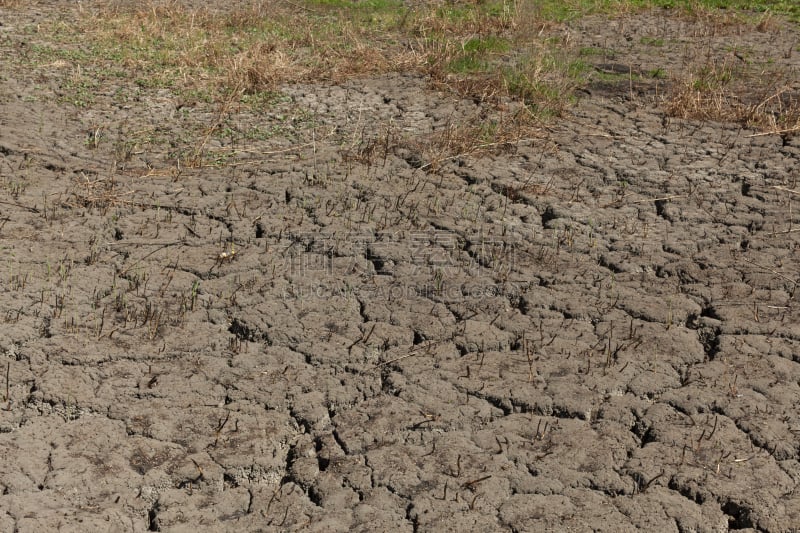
(596, 329)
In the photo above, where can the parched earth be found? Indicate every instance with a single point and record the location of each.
(593, 329)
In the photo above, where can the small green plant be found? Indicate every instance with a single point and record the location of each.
(652, 41)
(595, 51)
(64, 269)
(468, 64)
(193, 298)
(79, 90)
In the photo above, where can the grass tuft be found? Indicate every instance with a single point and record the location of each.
(730, 91)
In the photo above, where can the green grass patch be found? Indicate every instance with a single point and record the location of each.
(468, 64)
(476, 54)
(79, 91)
(482, 45)
(596, 51)
(651, 41)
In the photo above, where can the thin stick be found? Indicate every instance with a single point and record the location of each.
(15, 204)
(406, 356)
(776, 132)
(143, 243)
(673, 197)
(469, 484)
(390, 361)
(786, 189)
(787, 278)
(125, 271)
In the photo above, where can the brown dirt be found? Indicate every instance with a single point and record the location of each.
(332, 328)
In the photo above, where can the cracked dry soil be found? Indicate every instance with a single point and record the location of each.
(595, 330)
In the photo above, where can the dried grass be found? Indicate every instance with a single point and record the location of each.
(258, 46)
(764, 101)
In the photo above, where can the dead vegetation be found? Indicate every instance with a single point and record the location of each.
(729, 90)
(258, 46)
(515, 58)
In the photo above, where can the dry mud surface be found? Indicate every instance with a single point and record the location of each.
(592, 330)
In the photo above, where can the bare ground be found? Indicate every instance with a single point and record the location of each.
(328, 328)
